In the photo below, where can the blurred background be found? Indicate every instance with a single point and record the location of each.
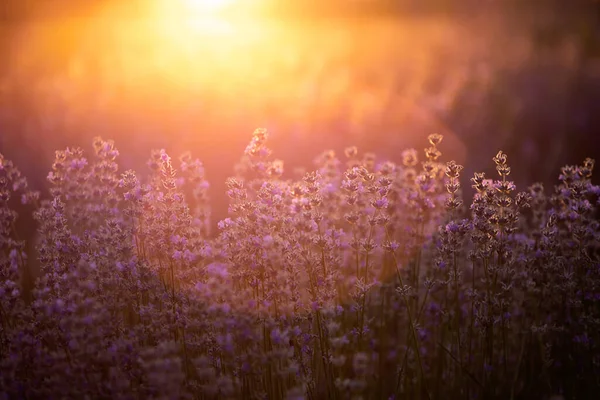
(521, 76)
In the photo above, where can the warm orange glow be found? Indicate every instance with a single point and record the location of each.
(185, 67)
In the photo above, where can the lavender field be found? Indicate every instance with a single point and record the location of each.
(357, 207)
(363, 278)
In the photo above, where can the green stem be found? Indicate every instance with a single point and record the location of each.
(411, 323)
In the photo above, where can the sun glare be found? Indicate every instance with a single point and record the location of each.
(207, 6)
(169, 42)
(199, 17)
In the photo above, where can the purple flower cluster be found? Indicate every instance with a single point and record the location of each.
(363, 278)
